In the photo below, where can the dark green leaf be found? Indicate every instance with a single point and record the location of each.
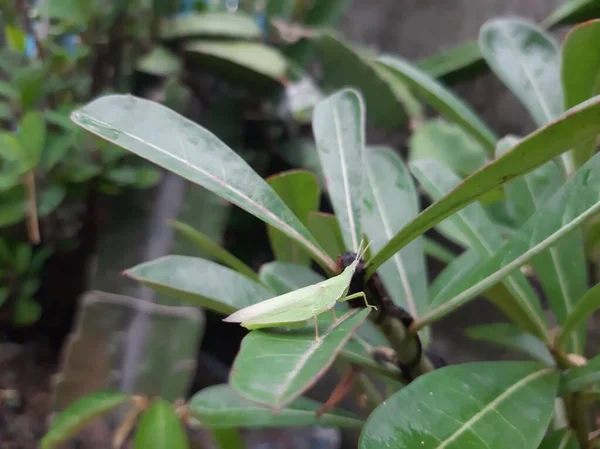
(200, 282)
(283, 277)
(475, 225)
(531, 152)
(26, 311)
(385, 96)
(437, 251)
(510, 336)
(560, 439)
(440, 98)
(218, 252)
(449, 144)
(325, 12)
(228, 438)
(474, 405)
(390, 202)
(528, 62)
(6, 112)
(8, 91)
(581, 74)
(573, 11)
(581, 377)
(457, 63)
(13, 206)
(55, 151)
(4, 292)
(159, 62)
(50, 198)
(583, 310)
(32, 137)
(339, 127)
(220, 406)
(296, 360)
(195, 154)
(80, 413)
(327, 231)
(214, 24)
(160, 428)
(300, 191)
(30, 82)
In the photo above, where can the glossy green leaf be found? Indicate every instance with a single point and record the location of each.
(386, 98)
(528, 62)
(576, 201)
(200, 282)
(457, 63)
(474, 405)
(560, 439)
(80, 413)
(561, 269)
(326, 229)
(573, 11)
(449, 144)
(531, 152)
(389, 203)
(252, 56)
(220, 406)
(583, 310)
(159, 62)
(195, 154)
(283, 277)
(160, 428)
(204, 242)
(581, 74)
(440, 98)
(32, 137)
(437, 251)
(214, 24)
(296, 360)
(475, 225)
(510, 336)
(339, 130)
(300, 191)
(581, 377)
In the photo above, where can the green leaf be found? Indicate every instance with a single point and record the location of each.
(30, 82)
(326, 229)
(449, 144)
(437, 251)
(440, 98)
(50, 199)
(581, 74)
(581, 377)
(386, 98)
(213, 24)
(560, 439)
(32, 138)
(194, 153)
(561, 269)
(220, 406)
(228, 438)
(160, 62)
(510, 336)
(528, 62)
(583, 310)
(8, 91)
(283, 277)
(228, 58)
(531, 152)
(200, 282)
(13, 206)
(15, 38)
(70, 11)
(339, 127)
(26, 311)
(475, 225)
(325, 12)
(475, 405)
(306, 360)
(576, 201)
(160, 428)
(573, 11)
(215, 250)
(133, 176)
(457, 63)
(6, 112)
(300, 191)
(79, 414)
(55, 151)
(389, 203)
(4, 293)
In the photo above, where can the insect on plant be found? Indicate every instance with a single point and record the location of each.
(297, 307)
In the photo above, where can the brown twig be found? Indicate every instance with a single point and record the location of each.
(33, 227)
(343, 387)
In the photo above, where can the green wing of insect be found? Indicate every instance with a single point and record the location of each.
(297, 306)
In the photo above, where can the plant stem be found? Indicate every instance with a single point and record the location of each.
(33, 228)
(579, 418)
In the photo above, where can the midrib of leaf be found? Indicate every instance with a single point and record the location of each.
(389, 234)
(324, 257)
(490, 280)
(492, 407)
(528, 74)
(519, 293)
(348, 201)
(555, 261)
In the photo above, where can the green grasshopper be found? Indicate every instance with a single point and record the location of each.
(297, 307)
